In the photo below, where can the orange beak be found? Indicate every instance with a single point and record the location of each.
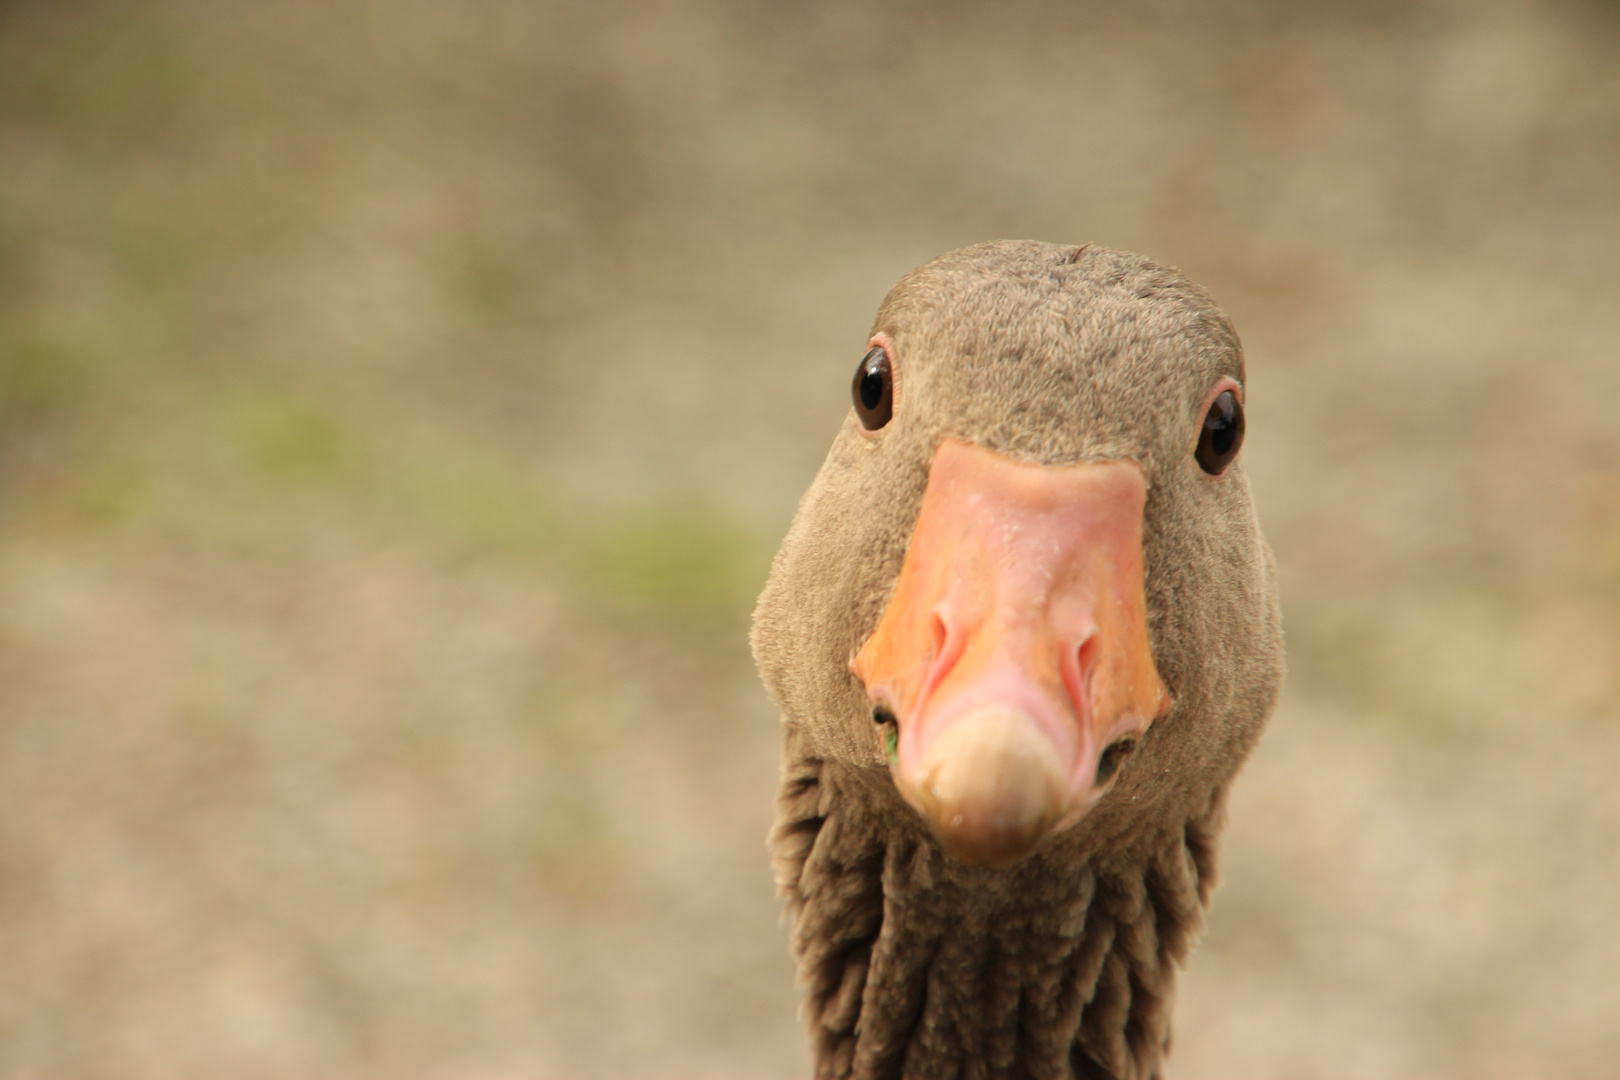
(1014, 654)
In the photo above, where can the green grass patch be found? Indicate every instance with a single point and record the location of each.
(673, 557)
(267, 458)
(472, 500)
(41, 379)
(286, 439)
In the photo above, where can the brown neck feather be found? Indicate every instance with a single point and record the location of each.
(919, 967)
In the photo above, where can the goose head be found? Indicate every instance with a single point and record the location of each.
(1028, 584)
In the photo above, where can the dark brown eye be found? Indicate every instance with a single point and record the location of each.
(1218, 443)
(874, 389)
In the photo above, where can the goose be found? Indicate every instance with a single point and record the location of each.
(1022, 631)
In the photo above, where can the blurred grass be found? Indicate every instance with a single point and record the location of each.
(41, 381)
(263, 453)
(148, 114)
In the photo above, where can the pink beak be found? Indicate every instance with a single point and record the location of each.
(1014, 653)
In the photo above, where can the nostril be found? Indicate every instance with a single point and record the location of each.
(1078, 667)
(1111, 759)
(1087, 657)
(882, 714)
(938, 632)
(947, 642)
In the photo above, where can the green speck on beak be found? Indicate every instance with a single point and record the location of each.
(891, 743)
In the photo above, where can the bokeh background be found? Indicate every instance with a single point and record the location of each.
(400, 403)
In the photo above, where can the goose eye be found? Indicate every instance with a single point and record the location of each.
(874, 389)
(1222, 435)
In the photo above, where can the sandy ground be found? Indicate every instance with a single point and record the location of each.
(399, 405)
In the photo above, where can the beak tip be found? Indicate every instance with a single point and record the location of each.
(992, 848)
(991, 787)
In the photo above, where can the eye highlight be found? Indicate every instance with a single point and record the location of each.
(1222, 433)
(873, 389)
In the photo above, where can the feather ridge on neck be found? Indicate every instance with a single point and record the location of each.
(918, 967)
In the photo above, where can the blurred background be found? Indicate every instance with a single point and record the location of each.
(400, 404)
